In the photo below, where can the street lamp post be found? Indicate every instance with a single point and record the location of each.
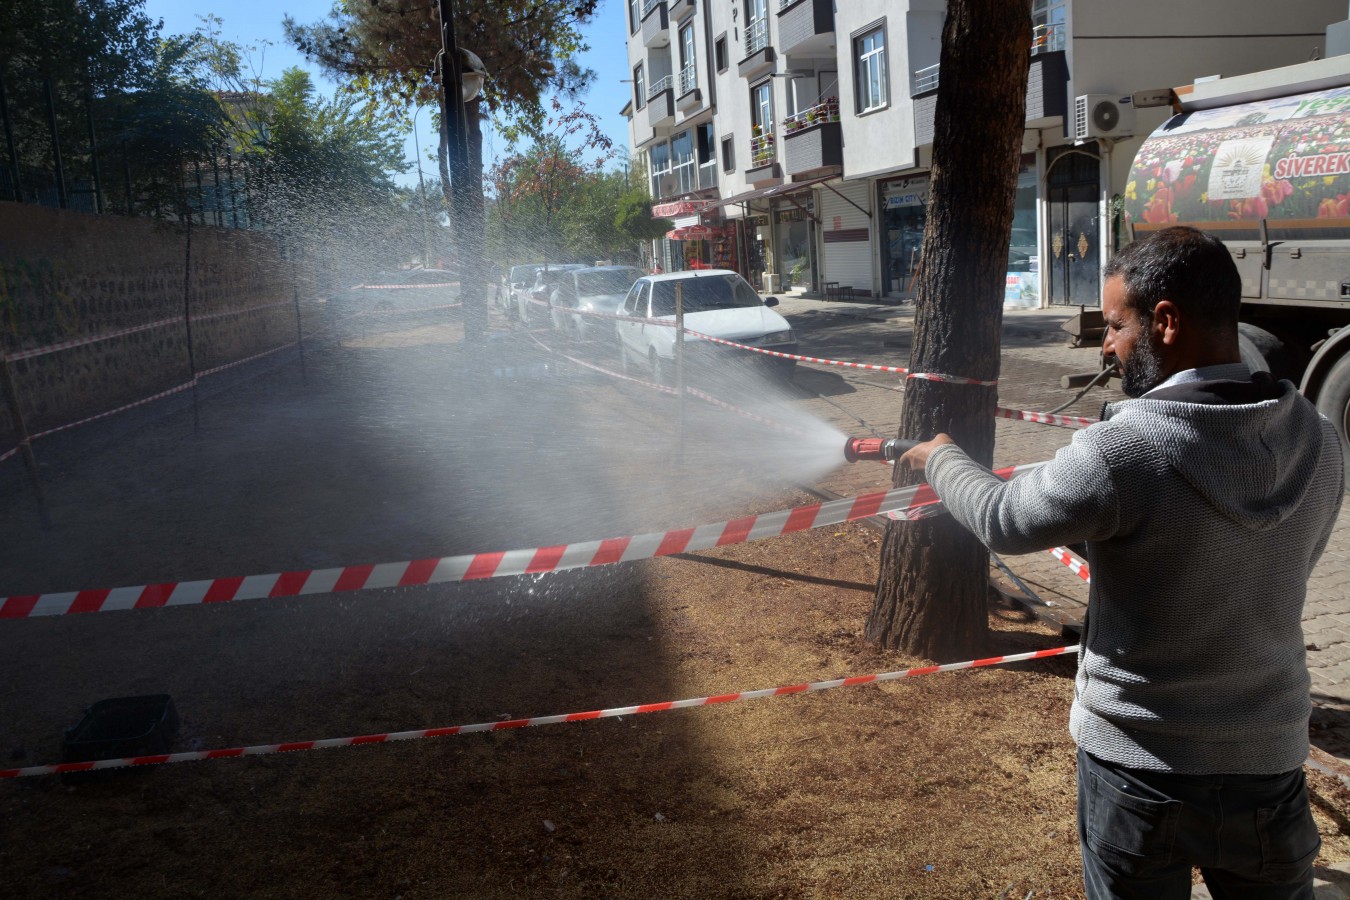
(458, 88)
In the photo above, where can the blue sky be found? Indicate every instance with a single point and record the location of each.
(252, 22)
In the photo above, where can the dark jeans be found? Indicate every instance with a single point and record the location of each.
(1252, 836)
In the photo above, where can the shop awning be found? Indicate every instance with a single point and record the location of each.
(677, 208)
(693, 233)
(777, 190)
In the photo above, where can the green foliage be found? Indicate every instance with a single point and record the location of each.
(385, 50)
(101, 62)
(551, 204)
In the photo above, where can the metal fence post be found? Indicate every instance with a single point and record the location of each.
(25, 444)
(679, 369)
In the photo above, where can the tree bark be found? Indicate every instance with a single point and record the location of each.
(933, 583)
(472, 264)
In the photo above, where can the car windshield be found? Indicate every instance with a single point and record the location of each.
(704, 293)
(610, 281)
(522, 273)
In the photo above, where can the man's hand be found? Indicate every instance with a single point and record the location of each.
(917, 457)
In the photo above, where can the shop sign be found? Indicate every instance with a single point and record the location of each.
(1022, 290)
(906, 192)
(679, 208)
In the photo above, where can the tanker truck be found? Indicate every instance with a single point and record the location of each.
(1262, 161)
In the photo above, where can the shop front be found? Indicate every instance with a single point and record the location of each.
(794, 243)
(1022, 288)
(904, 204)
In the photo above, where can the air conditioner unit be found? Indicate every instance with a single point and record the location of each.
(1102, 116)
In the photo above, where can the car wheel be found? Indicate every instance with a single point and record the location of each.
(658, 368)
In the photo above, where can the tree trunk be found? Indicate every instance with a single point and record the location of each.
(933, 583)
(469, 240)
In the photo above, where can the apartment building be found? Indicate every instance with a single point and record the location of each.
(792, 139)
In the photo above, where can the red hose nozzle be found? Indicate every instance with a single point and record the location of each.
(876, 448)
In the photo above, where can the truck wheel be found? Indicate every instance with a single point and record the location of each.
(1333, 401)
(1265, 352)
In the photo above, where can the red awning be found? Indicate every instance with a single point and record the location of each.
(693, 233)
(677, 208)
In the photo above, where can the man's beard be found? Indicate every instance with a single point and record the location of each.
(1143, 371)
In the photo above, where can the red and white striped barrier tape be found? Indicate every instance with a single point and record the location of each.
(694, 392)
(927, 376)
(389, 737)
(399, 312)
(468, 567)
(159, 396)
(93, 339)
(13, 451)
(112, 412)
(927, 502)
(1077, 566)
(670, 323)
(1041, 418)
(402, 287)
(247, 359)
(241, 312)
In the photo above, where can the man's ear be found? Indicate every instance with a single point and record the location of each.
(1166, 323)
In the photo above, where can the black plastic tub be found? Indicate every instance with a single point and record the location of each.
(119, 728)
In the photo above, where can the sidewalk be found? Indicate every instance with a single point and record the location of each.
(1035, 354)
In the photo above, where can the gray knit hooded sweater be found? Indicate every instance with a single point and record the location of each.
(1205, 508)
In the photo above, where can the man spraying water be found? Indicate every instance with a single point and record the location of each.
(1205, 502)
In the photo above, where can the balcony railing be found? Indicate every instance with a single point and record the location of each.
(762, 149)
(926, 79)
(659, 85)
(826, 110)
(1047, 38)
(784, 4)
(650, 5)
(688, 79)
(756, 36)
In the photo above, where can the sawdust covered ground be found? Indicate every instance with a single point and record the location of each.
(949, 785)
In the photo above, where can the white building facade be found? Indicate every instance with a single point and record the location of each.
(791, 139)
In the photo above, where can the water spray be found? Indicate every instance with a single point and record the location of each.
(889, 449)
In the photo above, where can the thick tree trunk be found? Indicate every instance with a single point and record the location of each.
(932, 588)
(472, 264)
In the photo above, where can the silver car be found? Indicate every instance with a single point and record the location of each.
(583, 296)
(546, 278)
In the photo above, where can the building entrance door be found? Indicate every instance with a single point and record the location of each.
(1073, 197)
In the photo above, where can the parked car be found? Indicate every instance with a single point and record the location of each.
(598, 290)
(517, 281)
(718, 303)
(546, 278)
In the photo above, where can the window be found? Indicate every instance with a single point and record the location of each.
(761, 106)
(728, 155)
(870, 77)
(756, 26)
(688, 70)
(720, 53)
(682, 162)
(659, 163)
(1047, 19)
(634, 15)
(639, 87)
(705, 148)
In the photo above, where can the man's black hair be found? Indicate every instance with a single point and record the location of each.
(1187, 266)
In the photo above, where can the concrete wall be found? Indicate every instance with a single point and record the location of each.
(69, 277)
(882, 140)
